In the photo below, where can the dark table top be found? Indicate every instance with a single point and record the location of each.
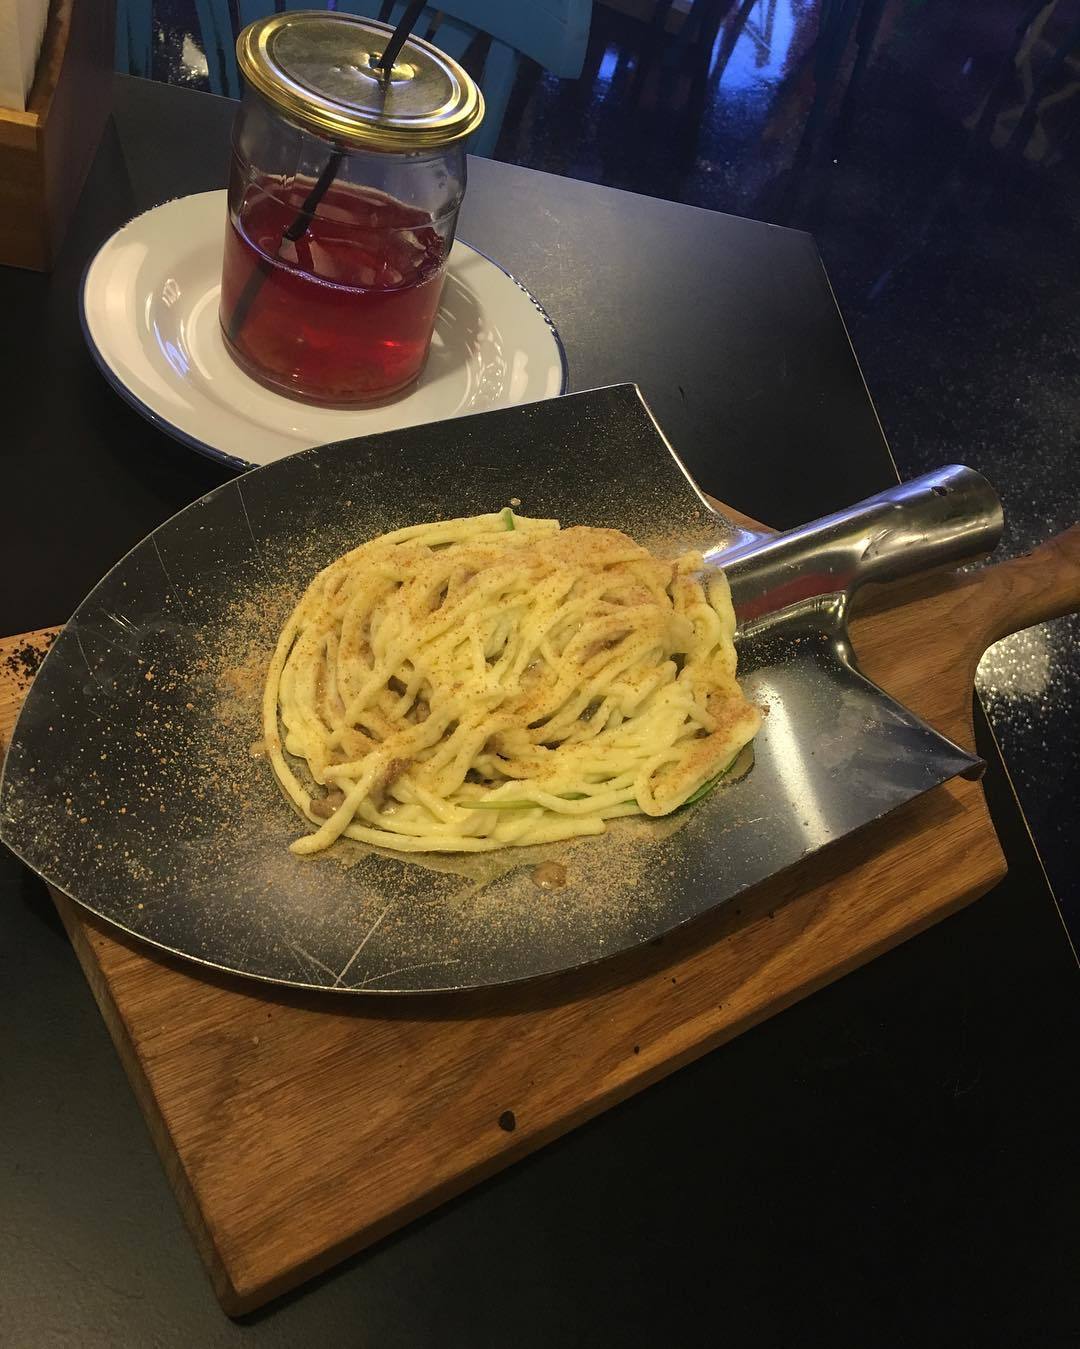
(893, 1161)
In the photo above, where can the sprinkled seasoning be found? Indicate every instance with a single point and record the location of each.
(203, 840)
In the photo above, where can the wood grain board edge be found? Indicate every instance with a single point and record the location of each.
(18, 658)
(81, 932)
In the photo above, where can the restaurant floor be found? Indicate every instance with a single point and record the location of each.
(932, 149)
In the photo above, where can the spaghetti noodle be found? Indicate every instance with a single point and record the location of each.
(499, 681)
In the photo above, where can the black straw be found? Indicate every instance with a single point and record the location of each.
(299, 226)
(292, 233)
(405, 26)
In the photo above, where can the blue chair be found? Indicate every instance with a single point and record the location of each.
(554, 33)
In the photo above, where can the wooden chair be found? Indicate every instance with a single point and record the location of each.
(488, 36)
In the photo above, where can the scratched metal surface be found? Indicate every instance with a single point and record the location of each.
(130, 788)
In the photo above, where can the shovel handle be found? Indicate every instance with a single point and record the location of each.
(1013, 595)
(923, 642)
(942, 519)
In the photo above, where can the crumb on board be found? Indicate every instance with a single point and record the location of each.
(24, 659)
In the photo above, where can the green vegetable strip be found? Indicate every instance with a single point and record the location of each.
(706, 787)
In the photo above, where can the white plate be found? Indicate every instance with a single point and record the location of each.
(150, 316)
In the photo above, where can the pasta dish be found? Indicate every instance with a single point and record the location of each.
(498, 681)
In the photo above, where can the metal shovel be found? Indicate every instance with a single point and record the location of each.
(207, 874)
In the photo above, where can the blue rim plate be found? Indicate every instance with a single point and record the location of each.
(148, 308)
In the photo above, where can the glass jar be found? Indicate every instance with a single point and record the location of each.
(344, 191)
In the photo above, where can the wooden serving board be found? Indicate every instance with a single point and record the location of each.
(298, 1128)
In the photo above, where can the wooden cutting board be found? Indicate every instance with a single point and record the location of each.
(298, 1128)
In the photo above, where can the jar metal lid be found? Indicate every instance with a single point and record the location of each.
(319, 68)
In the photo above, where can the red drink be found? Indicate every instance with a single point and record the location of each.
(343, 315)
